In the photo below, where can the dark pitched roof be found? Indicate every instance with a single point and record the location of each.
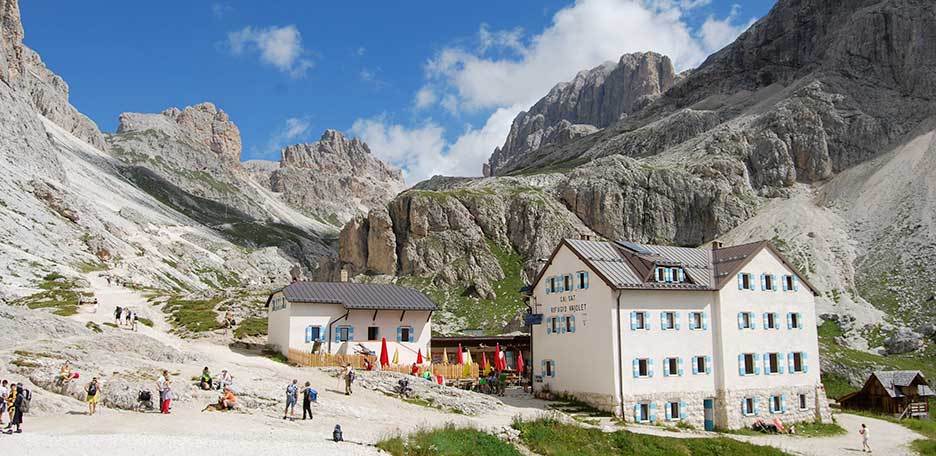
(892, 380)
(370, 296)
(630, 265)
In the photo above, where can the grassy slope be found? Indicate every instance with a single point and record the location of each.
(447, 441)
(58, 293)
(552, 438)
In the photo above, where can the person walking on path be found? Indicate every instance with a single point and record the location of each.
(165, 392)
(94, 390)
(117, 315)
(292, 393)
(4, 392)
(863, 431)
(16, 408)
(308, 396)
(348, 378)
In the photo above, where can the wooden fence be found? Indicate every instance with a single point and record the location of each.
(449, 371)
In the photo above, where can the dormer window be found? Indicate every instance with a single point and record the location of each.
(670, 275)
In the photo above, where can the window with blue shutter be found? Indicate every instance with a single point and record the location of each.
(667, 411)
(695, 365)
(676, 320)
(581, 280)
(773, 282)
(741, 281)
(636, 365)
(650, 367)
(705, 321)
(789, 320)
(763, 282)
(668, 274)
(682, 410)
(570, 323)
(757, 368)
(805, 363)
(638, 413)
(633, 319)
(752, 320)
(783, 403)
(653, 412)
(708, 364)
(646, 321)
(795, 283)
(405, 333)
(799, 321)
(780, 363)
(313, 333)
(562, 326)
(679, 366)
(344, 334)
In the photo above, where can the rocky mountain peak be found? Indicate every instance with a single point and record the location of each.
(203, 123)
(11, 41)
(334, 152)
(591, 101)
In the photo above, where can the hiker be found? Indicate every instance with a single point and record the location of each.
(226, 380)
(127, 314)
(501, 383)
(226, 401)
(205, 381)
(133, 321)
(117, 315)
(348, 378)
(292, 391)
(64, 376)
(94, 390)
(309, 396)
(865, 446)
(163, 385)
(414, 370)
(4, 391)
(108, 281)
(228, 322)
(16, 408)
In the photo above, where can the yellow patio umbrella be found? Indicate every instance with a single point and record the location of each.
(396, 356)
(444, 357)
(468, 357)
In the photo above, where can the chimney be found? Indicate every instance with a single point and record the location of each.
(585, 236)
(344, 274)
(716, 244)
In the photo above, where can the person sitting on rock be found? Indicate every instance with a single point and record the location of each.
(205, 381)
(65, 374)
(228, 400)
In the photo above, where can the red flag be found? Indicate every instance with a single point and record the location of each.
(520, 362)
(498, 360)
(461, 357)
(419, 358)
(484, 363)
(384, 355)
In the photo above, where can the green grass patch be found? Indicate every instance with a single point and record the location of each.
(837, 386)
(146, 322)
(58, 294)
(93, 327)
(925, 447)
(447, 441)
(251, 327)
(91, 266)
(193, 315)
(817, 429)
(550, 437)
(112, 325)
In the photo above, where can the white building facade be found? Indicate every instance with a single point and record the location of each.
(712, 337)
(344, 318)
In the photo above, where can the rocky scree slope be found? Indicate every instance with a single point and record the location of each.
(793, 133)
(68, 206)
(334, 178)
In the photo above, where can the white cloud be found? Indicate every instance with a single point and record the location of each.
(294, 130)
(425, 97)
(718, 33)
(277, 46)
(295, 127)
(366, 75)
(507, 72)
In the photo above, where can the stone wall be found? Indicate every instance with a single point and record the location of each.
(729, 413)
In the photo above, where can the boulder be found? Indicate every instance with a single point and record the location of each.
(903, 341)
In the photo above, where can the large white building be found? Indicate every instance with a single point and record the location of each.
(342, 317)
(714, 337)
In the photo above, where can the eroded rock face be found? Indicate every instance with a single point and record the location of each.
(381, 242)
(593, 100)
(11, 41)
(335, 178)
(203, 123)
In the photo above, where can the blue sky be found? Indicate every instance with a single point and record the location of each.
(431, 86)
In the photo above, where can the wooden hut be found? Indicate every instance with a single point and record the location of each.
(904, 393)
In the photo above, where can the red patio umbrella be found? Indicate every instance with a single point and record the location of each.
(520, 362)
(461, 357)
(384, 356)
(419, 358)
(484, 363)
(499, 363)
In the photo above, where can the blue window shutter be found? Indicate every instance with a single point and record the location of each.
(740, 281)
(741, 364)
(773, 282)
(704, 321)
(650, 367)
(770, 404)
(708, 365)
(646, 321)
(399, 333)
(633, 320)
(668, 274)
(756, 406)
(756, 365)
(676, 320)
(543, 367)
(682, 275)
(411, 333)
(753, 321)
(763, 282)
(549, 325)
(805, 366)
(766, 357)
(789, 321)
(636, 368)
(562, 328)
(765, 321)
(338, 334)
(682, 410)
(740, 320)
(653, 412)
(666, 372)
(783, 403)
(667, 411)
(572, 323)
(586, 279)
(308, 334)
(637, 417)
(679, 366)
(776, 319)
(799, 321)
(789, 357)
(795, 283)
(663, 320)
(744, 407)
(780, 363)
(695, 366)
(784, 282)
(321, 333)
(351, 333)
(555, 368)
